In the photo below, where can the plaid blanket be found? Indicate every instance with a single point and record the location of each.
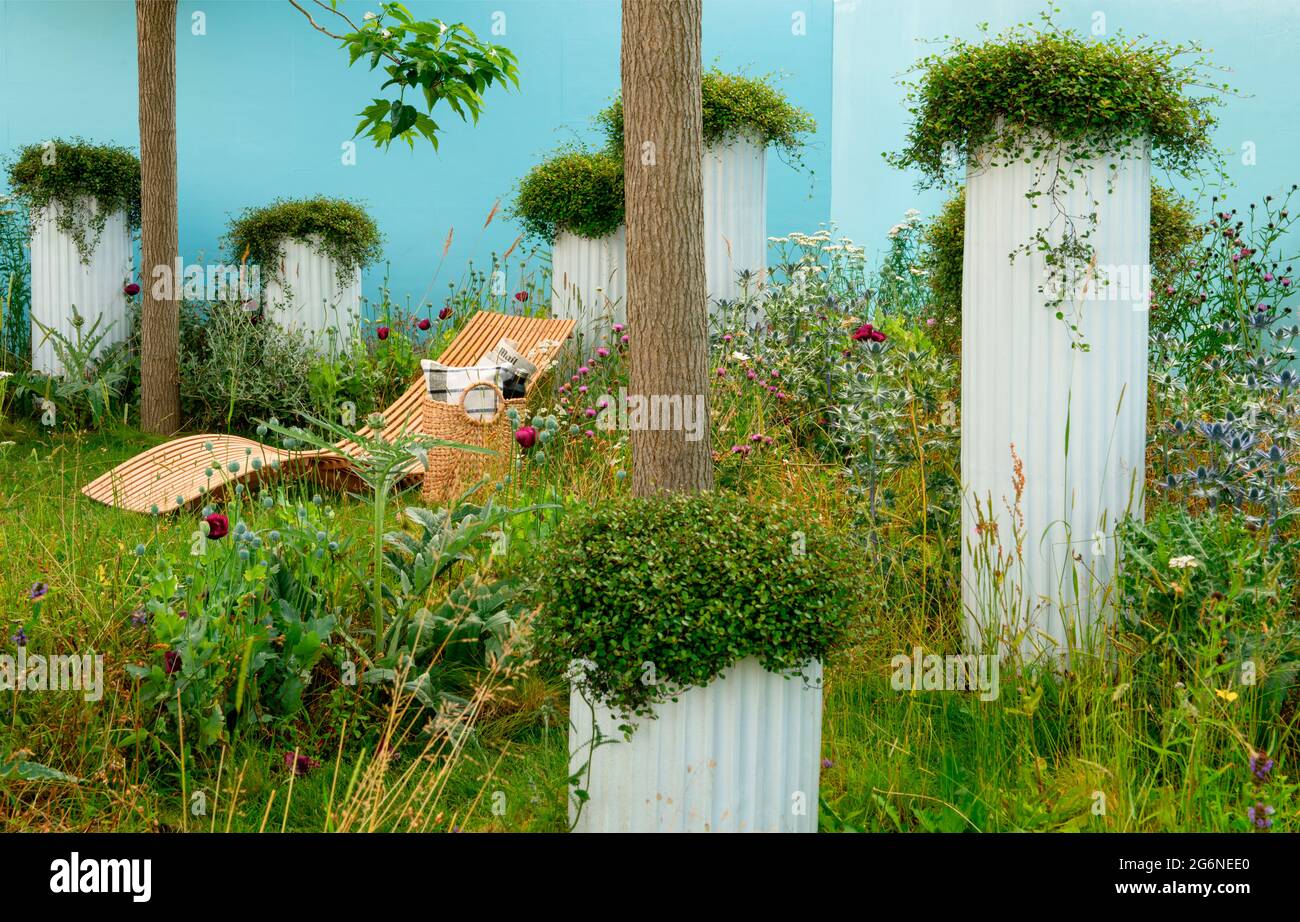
(446, 383)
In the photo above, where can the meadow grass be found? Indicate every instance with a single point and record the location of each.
(1127, 742)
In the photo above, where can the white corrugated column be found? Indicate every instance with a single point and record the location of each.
(1077, 418)
(735, 214)
(589, 284)
(740, 755)
(305, 293)
(61, 280)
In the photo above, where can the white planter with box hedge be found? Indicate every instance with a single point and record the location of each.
(307, 292)
(742, 754)
(67, 289)
(1053, 422)
(735, 216)
(589, 284)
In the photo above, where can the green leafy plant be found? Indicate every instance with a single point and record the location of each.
(1213, 598)
(734, 105)
(1006, 92)
(434, 60)
(236, 369)
(63, 173)
(15, 289)
(691, 584)
(241, 618)
(451, 617)
(576, 191)
(338, 228)
(91, 391)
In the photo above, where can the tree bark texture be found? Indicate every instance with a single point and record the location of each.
(667, 296)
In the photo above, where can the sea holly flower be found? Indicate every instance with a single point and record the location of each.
(139, 617)
(19, 639)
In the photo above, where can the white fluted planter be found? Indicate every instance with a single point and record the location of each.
(305, 293)
(740, 755)
(1023, 384)
(61, 280)
(589, 284)
(735, 214)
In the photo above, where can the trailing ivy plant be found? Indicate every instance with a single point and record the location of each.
(1059, 100)
(734, 105)
(432, 60)
(347, 234)
(63, 173)
(1174, 230)
(576, 191)
(663, 594)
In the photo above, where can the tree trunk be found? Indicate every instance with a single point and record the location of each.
(667, 297)
(155, 22)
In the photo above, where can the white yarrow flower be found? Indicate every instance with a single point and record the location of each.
(1183, 563)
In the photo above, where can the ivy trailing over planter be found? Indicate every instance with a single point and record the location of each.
(347, 234)
(576, 191)
(63, 173)
(1058, 99)
(1173, 230)
(734, 105)
(691, 584)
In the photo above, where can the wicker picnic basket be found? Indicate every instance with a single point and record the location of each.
(452, 470)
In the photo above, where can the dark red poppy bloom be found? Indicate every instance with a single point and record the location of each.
(526, 436)
(218, 525)
(444, 313)
(424, 323)
(382, 332)
(863, 333)
(299, 764)
(521, 296)
(171, 662)
(131, 290)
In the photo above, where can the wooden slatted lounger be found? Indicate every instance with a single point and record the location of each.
(157, 478)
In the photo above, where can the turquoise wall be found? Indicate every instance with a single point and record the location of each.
(264, 103)
(876, 40)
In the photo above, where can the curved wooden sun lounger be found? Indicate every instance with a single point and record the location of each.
(182, 471)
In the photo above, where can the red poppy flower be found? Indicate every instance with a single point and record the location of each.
(382, 332)
(218, 525)
(526, 436)
(521, 296)
(131, 290)
(299, 764)
(171, 662)
(424, 323)
(444, 313)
